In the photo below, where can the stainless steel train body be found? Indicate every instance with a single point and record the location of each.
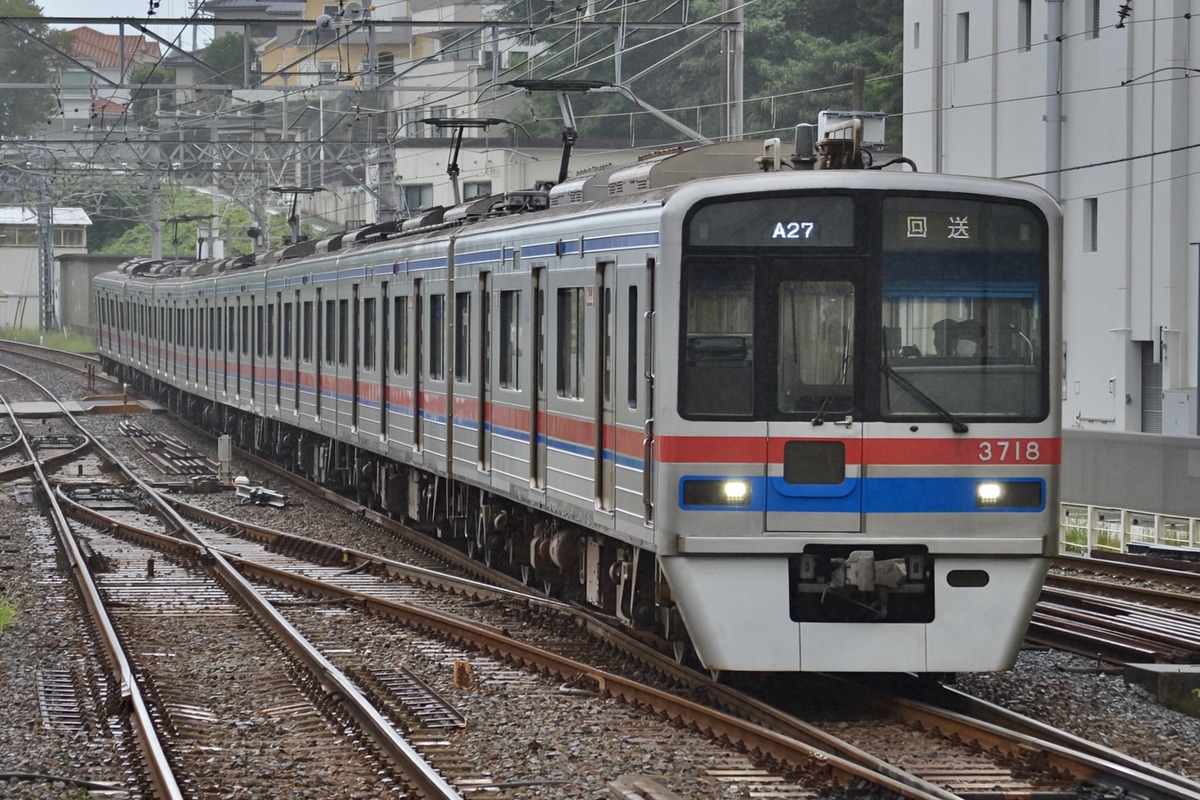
(792, 420)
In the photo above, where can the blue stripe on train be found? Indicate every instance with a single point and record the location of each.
(891, 495)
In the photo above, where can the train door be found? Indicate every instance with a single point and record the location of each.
(537, 419)
(484, 396)
(814, 440)
(606, 432)
(275, 345)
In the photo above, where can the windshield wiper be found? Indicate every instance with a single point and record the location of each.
(956, 424)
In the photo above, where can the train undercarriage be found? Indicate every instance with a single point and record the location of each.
(559, 557)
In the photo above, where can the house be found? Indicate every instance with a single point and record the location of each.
(93, 98)
(20, 261)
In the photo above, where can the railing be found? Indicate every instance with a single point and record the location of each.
(1085, 528)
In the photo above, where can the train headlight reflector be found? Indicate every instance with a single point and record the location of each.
(715, 492)
(986, 494)
(1029, 495)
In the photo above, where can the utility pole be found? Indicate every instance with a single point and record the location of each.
(45, 213)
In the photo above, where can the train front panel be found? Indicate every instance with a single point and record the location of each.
(857, 442)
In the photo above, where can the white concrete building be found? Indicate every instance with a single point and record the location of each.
(20, 279)
(1097, 102)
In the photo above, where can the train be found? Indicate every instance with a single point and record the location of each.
(786, 413)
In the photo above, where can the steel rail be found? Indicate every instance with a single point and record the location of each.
(141, 719)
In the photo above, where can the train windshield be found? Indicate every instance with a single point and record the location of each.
(891, 307)
(964, 290)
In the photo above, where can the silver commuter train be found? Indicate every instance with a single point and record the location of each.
(790, 420)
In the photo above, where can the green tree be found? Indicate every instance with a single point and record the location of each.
(226, 56)
(800, 56)
(23, 60)
(149, 99)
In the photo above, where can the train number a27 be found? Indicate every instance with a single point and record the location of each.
(1010, 451)
(794, 230)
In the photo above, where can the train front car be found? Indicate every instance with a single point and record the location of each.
(857, 434)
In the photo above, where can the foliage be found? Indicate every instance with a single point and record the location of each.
(226, 56)
(23, 60)
(146, 101)
(183, 213)
(800, 57)
(58, 340)
(8, 610)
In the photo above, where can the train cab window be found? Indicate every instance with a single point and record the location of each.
(964, 305)
(816, 347)
(462, 336)
(510, 339)
(717, 362)
(572, 339)
(368, 327)
(437, 339)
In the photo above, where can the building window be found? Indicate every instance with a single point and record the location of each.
(964, 36)
(476, 189)
(1092, 24)
(1024, 24)
(1091, 224)
(916, 36)
(418, 196)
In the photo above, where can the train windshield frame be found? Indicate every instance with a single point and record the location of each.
(906, 307)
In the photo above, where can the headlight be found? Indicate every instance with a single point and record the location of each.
(729, 492)
(1010, 494)
(986, 494)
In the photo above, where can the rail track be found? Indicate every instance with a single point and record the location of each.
(903, 747)
(1120, 611)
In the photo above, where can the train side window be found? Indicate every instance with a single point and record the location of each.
(437, 327)
(330, 330)
(631, 352)
(368, 325)
(717, 363)
(287, 332)
(510, 339)
(572, 339)
(462, 336)
(270, 330)
(306, 332)
(343, 332)
(244, 331)
(259, 324)
(400, 336)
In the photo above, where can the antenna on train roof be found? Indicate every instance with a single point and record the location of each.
(569, 134)
(460, 124)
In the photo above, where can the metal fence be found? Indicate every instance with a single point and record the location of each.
(1085, 528)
